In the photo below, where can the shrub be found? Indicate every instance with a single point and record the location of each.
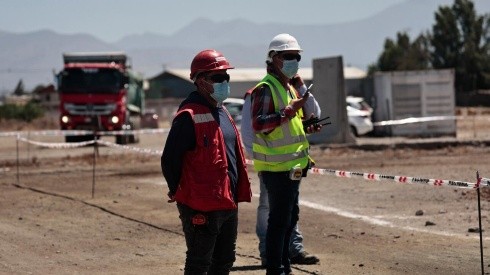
(27, 113)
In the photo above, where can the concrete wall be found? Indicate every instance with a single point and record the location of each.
(328, 89)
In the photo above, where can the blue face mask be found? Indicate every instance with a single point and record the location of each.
(221, 91)
(290, 68)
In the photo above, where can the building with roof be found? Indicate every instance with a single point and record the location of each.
(166, 90)
(175, 83)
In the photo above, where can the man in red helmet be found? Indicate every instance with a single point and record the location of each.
(204, 166)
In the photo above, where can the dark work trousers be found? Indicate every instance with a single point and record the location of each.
(283, 217)
(210, 246)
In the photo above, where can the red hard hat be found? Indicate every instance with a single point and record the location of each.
(208, 60)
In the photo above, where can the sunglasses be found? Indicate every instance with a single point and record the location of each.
(291, 56)
(218, 78)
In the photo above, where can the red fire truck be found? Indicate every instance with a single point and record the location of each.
(99, 92)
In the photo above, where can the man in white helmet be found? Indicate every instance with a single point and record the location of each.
(273, 134)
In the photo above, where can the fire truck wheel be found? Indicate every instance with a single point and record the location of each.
(122, 139)
(69, 139)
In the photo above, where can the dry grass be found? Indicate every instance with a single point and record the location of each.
(42, 123)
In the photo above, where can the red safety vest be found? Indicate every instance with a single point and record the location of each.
(204, 184)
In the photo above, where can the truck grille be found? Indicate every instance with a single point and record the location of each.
(89, 109)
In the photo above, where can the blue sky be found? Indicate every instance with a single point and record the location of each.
(110, 20)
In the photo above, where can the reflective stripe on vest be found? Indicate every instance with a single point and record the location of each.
(203, 118)
(286, 146)
(280, 142)
(280, 158)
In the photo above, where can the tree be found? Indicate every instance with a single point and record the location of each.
(461, 40)
(403, 54)
(19, 89)
(486, 53)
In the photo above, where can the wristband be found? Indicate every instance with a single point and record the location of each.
(282, 112)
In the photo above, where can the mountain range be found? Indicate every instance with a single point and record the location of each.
(34, 56)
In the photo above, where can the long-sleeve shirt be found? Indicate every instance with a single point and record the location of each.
(182, 138)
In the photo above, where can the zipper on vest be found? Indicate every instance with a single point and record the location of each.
(205, 141)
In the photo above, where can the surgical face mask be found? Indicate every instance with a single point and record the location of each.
(290, 68)
(221, 91)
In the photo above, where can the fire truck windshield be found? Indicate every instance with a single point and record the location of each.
(91, 80)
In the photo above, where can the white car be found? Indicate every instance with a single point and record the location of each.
(359, 115)
(358, 103)
(359, 120)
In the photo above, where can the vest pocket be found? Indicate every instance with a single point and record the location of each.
(209, 182)
(208, 151)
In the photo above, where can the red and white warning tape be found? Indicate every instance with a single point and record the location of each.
(482, 182)
(131, 148)
(85, 143)
(410, 120)
(57, 145)
(399, 179)
(142, 131)
(9, 134)
(166, 130)
(83, 132)
(4, 169)
(59, 133)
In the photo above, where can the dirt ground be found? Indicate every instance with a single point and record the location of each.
(60, 214)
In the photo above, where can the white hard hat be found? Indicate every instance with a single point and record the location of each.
(283, 42)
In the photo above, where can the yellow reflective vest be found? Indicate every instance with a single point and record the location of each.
(286, 146)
